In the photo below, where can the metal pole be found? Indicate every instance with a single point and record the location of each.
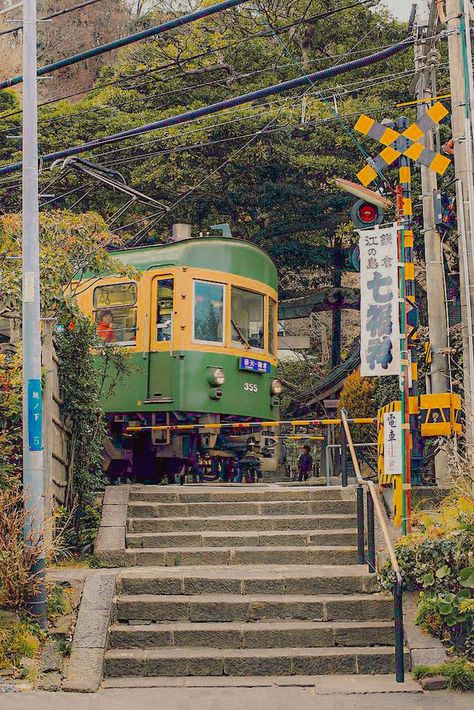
(32, 394)
(360, 526)
(343, 457)
(370, 533)
(399, 642)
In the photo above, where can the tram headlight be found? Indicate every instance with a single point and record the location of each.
(276, 387)
(215, 376)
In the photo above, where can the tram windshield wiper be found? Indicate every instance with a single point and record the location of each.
(242, 337)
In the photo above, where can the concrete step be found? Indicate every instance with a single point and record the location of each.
(242, 661)
(270, 555)
(241, 523)
(138, 509)
(230, 493)
(248, 579)
(280, 538)
(275, 634)
(252, 607)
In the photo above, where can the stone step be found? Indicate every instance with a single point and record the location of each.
(241, 522)
(248, 662)
(275, 634)
(232, 494)
(270, 555)
(278, 538)
(278, 579)
(252, 607)
(139, 509)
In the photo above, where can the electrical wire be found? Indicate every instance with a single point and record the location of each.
(186, 60)
(53, 15)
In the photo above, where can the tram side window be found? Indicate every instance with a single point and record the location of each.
(272, 314)
(208, 312)
(164, 311)
(115, 313)
(247, 318)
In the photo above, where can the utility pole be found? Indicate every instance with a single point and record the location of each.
(425, 63)
(33, 483)
(460, 73)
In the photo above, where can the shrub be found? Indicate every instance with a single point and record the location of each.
(17, 555)
(436, 559)
(18, 640)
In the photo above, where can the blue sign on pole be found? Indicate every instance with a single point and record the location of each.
(35, 416)
(251, 365)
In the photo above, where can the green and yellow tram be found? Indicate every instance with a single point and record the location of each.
(200, 322)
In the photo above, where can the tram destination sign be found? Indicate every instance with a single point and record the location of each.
(250, 365)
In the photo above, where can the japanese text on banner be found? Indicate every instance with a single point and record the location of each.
(379, 309)
(392, 443)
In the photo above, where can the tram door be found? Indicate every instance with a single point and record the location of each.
(160, 360)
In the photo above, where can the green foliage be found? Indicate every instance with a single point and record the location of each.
(275, 189)
(459, 674)
(436, 560)
(82, 383)
(58, 601)
(17, 640)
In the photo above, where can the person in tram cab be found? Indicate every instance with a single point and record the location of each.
(105, 327)
(305, 464)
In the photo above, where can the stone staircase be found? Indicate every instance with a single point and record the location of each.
(246, 581)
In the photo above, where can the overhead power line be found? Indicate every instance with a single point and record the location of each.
(52, 16)
(222, 105)
(129, 39)
(200, 55)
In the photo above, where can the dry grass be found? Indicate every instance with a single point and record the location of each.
(17, 555)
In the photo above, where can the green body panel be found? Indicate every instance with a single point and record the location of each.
(183, 377)
(232, 256)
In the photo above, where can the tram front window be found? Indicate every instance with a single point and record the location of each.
(247, 318)
(208, 312)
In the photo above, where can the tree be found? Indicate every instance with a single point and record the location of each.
(259, 167)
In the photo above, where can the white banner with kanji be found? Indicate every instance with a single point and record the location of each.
(379, 306)
(392, 443)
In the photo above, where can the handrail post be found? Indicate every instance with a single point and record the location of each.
(343, 456)
(360, 526)
(399, 641)
(370, 532)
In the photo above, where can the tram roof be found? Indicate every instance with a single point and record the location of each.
(229, 255)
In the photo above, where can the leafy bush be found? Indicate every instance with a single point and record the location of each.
(437, 560)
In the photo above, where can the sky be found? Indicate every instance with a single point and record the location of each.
(400, 8)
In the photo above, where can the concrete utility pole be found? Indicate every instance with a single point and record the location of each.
(32, 395)
(460, 72)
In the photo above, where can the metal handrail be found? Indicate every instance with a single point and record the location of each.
(374, 506)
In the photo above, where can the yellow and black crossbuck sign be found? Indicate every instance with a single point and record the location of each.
(415, 151)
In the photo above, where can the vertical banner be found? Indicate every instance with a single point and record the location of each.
(35, 416)
(392, 443)
(379, 307)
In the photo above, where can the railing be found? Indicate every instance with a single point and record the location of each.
(375, 508)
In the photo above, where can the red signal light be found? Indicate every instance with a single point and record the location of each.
(367, 213)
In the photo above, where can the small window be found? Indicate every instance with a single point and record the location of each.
(247, 318)
(208, 312)
(164, 311)
(116, 313)
(272, 314)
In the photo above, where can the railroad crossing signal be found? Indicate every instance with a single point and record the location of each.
(391, 140)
